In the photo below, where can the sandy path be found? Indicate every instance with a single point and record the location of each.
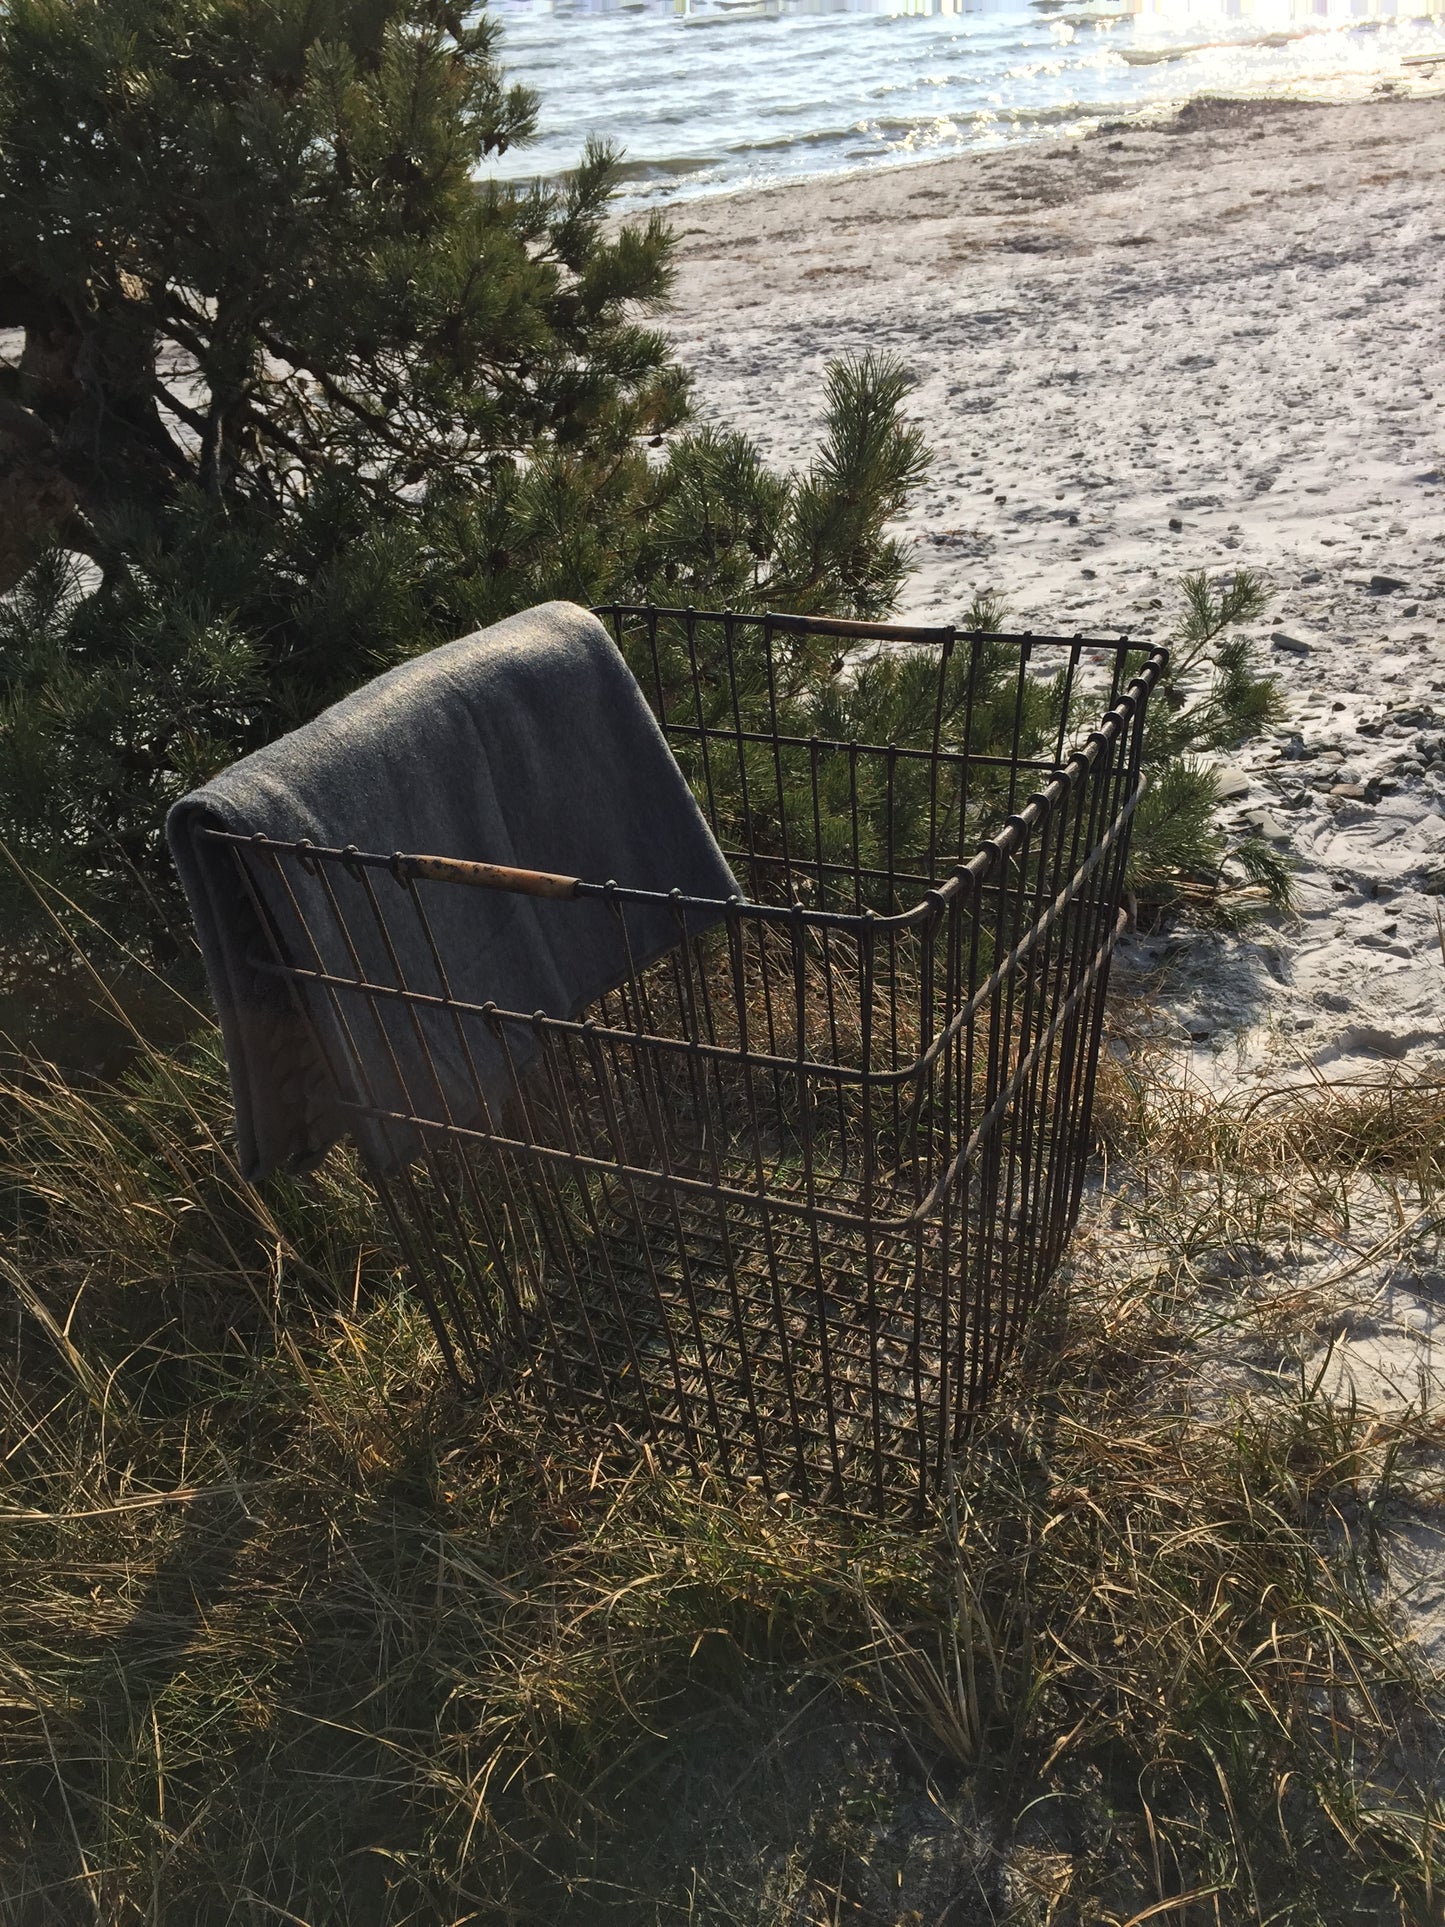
(1146, 352)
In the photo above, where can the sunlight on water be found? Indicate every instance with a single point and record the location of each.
(707, 95)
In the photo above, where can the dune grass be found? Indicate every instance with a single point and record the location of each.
(288, 1634)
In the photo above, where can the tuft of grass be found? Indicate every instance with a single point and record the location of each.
(286, 1633)
(1313, 1129)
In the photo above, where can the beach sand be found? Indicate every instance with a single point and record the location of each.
(1216, 345)
(1147, 352)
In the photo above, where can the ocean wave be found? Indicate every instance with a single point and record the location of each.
(670, 166)
(752, 14)
(803, 98)
(815, 137)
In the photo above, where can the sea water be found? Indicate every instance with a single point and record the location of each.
(709, 95)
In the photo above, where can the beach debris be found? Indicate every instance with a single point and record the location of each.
(1291, 644)
(1385, 585)
(1229, 781)
(1266, 824)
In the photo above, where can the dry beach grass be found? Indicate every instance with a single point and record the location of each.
(289, 1635)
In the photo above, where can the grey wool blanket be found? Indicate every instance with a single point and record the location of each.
(526, 745)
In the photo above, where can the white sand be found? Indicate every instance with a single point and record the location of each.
(1238, 327)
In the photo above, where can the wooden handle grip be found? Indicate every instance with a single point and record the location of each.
(491, 876)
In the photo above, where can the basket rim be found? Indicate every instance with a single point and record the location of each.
(863, 629)
(409, 866)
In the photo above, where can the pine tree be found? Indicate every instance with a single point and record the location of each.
(300, 392)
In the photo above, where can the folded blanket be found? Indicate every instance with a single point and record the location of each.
(527, 745)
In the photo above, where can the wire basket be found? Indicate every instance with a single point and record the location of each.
(782, 1202)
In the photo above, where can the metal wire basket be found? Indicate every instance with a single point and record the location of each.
(782, 1202)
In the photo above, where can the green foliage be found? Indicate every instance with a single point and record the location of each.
(1213, 698)
(301, 393)
(830, 699)
(894, 698)
(1173, 826)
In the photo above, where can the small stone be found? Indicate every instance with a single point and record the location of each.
(1265, 823)
(1349, 792)
(1229, 781)
(1310, 578)
(1291, 644)
(1384, 585)
(1175, 524)
(1411, 609)
(1088, 574)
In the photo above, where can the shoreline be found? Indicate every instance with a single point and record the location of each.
(1053, 128)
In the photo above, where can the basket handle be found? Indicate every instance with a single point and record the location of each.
(492, 876)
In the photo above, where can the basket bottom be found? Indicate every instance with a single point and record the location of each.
(812, 1357)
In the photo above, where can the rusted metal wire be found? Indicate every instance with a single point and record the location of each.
(783, 1200)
